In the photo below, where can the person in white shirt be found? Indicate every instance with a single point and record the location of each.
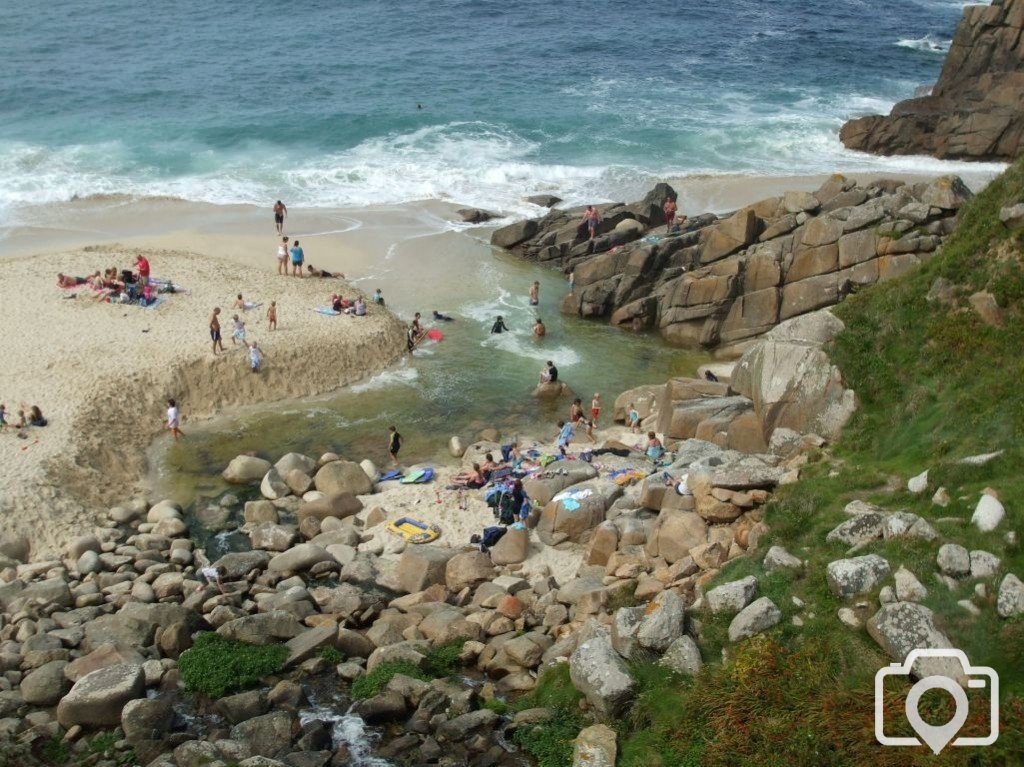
(174, 419)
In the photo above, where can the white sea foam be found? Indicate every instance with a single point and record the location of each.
(403, 375)
(928, 43)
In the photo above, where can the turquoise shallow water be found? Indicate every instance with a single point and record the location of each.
(315, 102)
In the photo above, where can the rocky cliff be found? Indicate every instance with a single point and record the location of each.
(724, 281)
(975, 110)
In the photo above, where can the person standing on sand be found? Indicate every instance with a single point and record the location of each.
(394, 444)
(272, 316)
(297, 258)
(595, 408)
(282, 257)
(237, 330)
(564, 437)
(280, 211)
(255, 357)
(215, 330)
(174, 419)
(591, 218)
(538, 329)
(535, 293)
(633, 419)
(669, 208)
(143, 264)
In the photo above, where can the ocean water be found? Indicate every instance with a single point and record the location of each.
(315, 102)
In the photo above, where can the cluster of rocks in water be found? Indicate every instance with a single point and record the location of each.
(723, 281)
(974, 110)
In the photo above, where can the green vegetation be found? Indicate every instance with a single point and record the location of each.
(332, 655)
(442, 661)
(215, 666)
(550, 741)
(374, 682)
(935, 384)
(497, 705)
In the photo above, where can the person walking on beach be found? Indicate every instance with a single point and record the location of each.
(669, 208)
(215, 330)
(394, 444)
(282, 257)
(539, 331)
(297, 258)
(535, 293)
(499, 325)
(272, 316)
(255, 357)
(174, 419)
(591, 218)
(280, 211)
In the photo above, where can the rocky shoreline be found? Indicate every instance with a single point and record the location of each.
(974, 110)
(719, 282)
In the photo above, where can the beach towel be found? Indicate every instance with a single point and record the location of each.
(154, 304)
(328, 310)
(251, 305)
(574, 496)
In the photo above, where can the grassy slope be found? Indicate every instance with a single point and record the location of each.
(935, 385)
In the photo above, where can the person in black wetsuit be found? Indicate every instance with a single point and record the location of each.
(442, 317)
(499, 325)
(552, 372)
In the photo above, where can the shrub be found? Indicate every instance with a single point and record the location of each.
(214, 665)
(443, 660)
(375, 681)
(332, 655)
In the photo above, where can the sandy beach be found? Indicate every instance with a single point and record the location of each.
(101, 372)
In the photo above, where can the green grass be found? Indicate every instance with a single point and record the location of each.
(550, 742)
(935, 384)
(215, 666)
(443, 660)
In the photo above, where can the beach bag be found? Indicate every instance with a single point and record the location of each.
(492, 535)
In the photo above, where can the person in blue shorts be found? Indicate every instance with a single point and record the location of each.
(297, 258)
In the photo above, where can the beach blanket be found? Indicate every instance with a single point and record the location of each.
(329, 311)
(623, 477)
(159, 300)
(575, 496)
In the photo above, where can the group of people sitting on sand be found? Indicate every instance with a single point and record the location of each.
(356, 307)
(27, 416)
(125, 286)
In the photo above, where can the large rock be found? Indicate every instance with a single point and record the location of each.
(574, 513)
(557, 478)
(343, 477)
(954, 560)
(339, 505)
(469, 568)
(423, 566)
(675, 533)
(595, 747)
(791, 381)
(683, 657)
(858, 575)
(512, 548)
(664, 622)
(104, 656)
(732, 597)
(46, 685)
(900, 627)
(246, 470)
(299, 558)
(973, 111)
(269, 735)
(602, 676)
(295, 462)
(96, 700)
(756, 617)
(240, 563)
(988, 513)
(1010, 602)
(262, 628)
